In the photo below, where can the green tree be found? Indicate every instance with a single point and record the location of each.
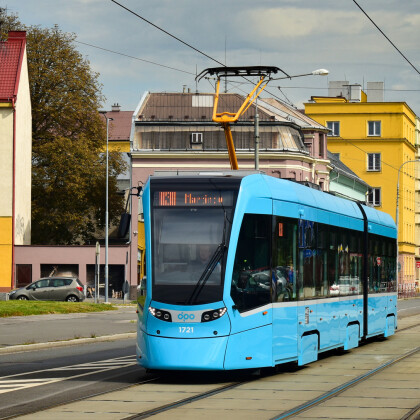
(68, 140)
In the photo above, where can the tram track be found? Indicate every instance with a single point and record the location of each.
(296, 410)
(170, 406)
(340, 389)
(225, 388)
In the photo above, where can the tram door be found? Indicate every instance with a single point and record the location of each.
(251, 292)
(284, 255)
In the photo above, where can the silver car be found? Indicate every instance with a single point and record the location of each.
(69, 289)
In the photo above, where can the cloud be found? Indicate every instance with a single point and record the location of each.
(285, 23)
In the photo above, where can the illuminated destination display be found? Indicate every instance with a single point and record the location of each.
(193, 198)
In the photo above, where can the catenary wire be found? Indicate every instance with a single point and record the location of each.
(213, 59)
(180, 40)
(380, 30)
(135, 58)
(167, 33)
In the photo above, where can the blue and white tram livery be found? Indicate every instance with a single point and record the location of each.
(253, 271)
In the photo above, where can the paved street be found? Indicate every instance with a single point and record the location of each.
(47, 328)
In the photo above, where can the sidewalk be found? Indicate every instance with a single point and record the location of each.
(99, 326)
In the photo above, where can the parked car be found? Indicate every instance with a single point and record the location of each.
(69, 289)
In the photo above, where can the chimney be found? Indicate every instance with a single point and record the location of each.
(375, 91)
(116, 107)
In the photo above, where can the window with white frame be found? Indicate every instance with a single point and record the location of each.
(196, 138)
(374, 197)
(334, 126)
(374, 162)
(374, 128)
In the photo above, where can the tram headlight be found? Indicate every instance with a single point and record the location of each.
(160, 314)
(213, 315)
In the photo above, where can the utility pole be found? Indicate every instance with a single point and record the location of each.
(257, 137)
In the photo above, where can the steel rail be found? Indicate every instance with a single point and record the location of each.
(289, 413)
(170, 406)
(340, 389)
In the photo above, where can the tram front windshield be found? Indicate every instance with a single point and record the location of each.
(190, 231)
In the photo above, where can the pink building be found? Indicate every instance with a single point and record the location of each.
(175, 132)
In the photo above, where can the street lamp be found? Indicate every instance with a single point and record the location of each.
(106, 208)
(319, 72)
(397, 207)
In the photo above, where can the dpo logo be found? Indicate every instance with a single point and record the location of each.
(185, 317)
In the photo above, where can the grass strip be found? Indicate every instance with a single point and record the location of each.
(25, 308)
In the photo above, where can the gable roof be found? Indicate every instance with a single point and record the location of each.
(11, 58)
(120, 126)
(340, 167)
(291, 114)
(187, 107)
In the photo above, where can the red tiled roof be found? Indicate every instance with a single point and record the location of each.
(120, 127)
(11, 56)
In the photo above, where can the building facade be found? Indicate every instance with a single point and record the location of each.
(175, 132)
(15, 154)
(375, 139)
(417, 206)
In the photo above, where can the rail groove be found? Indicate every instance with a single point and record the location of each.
(338, 390)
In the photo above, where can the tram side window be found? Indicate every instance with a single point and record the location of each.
(381, 261)
(344, 262)
(310, 261)
(252, 278)
(284, 259)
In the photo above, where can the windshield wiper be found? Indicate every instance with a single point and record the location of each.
(211, 265)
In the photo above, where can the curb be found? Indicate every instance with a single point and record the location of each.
(71, 342)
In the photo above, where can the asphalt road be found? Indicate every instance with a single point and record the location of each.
(408, 307)
(31, 381)
(37, 379)
(46, 328)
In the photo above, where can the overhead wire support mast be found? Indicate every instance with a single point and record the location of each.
(225, 118)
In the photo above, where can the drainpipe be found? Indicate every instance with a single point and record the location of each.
(12, 283)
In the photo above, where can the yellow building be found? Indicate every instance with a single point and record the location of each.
(15, 154)
(375, 138)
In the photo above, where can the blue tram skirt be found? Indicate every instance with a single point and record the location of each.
(181, 353)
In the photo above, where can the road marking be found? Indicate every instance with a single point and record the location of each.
(16, 382)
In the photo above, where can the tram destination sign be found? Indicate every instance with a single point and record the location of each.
(186, 198)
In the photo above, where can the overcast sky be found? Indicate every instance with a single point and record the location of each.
(296, 35)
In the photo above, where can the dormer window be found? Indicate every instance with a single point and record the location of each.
(196, 138)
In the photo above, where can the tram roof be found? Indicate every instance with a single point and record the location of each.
(293, 192)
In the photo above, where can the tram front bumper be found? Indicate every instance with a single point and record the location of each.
(181, 353)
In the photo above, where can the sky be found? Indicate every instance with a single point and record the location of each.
(298, 36)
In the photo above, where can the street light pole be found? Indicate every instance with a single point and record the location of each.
(397, 207)
(257, 137)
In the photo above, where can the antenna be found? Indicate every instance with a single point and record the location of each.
(225, 65)
(196, 83)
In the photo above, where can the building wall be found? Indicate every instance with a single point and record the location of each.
(396, 145)
(417, 203)
(23, 163)
(6, 188)
(68, 255)
(347, 187)
(6, 159)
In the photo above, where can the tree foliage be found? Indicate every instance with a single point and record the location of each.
(68, 140)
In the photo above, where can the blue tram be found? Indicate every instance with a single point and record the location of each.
(253, 271)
